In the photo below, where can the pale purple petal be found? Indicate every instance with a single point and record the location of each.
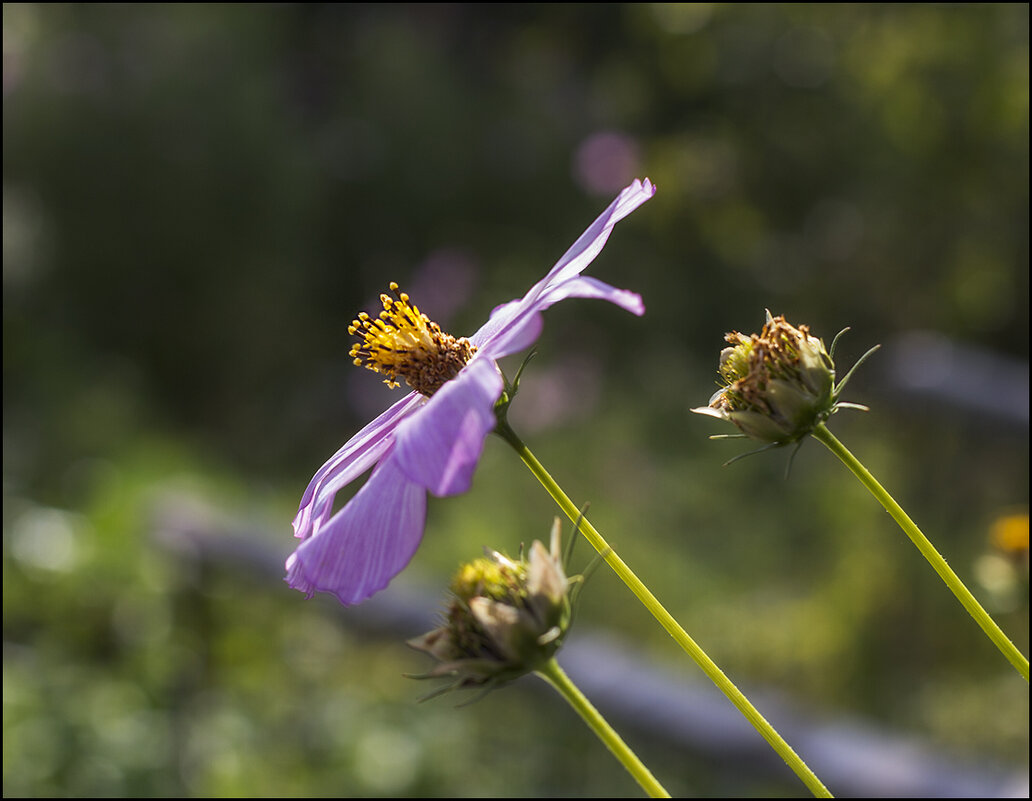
(525, 322)
(587, 287)
(439, 447)
(357, 455)
(515, 325)
(590, 243)
(367, 543)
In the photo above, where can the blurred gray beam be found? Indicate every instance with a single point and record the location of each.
(929, 367)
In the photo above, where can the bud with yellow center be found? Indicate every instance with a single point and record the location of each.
(505, 618)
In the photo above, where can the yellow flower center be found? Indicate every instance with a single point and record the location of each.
(499, 579)
(404, 343)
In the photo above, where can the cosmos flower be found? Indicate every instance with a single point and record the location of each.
(432, 439)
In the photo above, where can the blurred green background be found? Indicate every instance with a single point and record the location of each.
(198, 199)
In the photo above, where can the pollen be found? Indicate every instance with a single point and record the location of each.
(403, 343)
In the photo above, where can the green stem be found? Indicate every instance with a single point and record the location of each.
(709, 667)
(554, 675)
(1007, 648)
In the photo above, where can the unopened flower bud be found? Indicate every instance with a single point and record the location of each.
(778, 384)
(505, 618)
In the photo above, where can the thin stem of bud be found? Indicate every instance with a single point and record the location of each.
(665, 619)
(1007, 648)
(554, 675)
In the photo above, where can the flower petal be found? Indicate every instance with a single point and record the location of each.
(587, 287)
(590, 243)
(439, 447)
(525, 323)
(514, 326)
(367, 543)
(357, 455)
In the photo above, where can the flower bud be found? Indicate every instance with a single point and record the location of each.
(505, 618)
(778, 384)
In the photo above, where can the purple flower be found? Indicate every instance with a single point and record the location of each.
(430, 440)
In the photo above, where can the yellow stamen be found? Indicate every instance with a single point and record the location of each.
(403, 342)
